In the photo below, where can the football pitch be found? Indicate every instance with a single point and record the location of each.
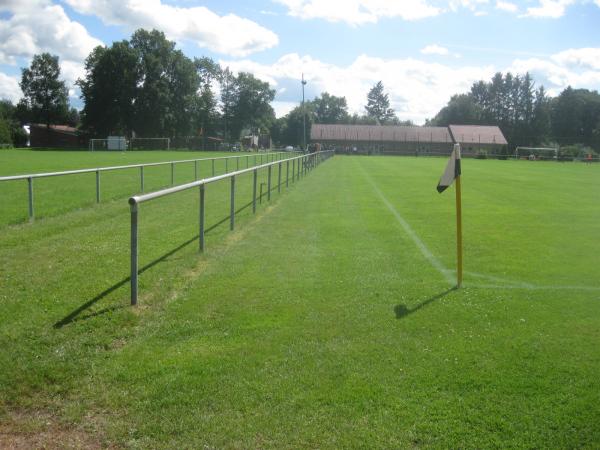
(328, 319)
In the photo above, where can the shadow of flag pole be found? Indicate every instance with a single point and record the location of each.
(450, 175)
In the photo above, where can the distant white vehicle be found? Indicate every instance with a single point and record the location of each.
(289, 148)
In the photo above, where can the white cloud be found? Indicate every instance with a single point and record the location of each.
(417, 89)
(552, 9)
(358, 12)
(229, 34)
(469, 4)
(282, 108)
(39, 26)
(9, 88)
(559, 71)
(584, 57)
(507, 6)
(434, 49)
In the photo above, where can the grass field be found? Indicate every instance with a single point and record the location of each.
(57, 195)
(327, 320)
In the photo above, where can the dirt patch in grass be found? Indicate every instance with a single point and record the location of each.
(42, 430)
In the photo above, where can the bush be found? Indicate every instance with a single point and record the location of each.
(5, 137)
(481, 154)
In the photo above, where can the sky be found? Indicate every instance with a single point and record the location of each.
(424, 51)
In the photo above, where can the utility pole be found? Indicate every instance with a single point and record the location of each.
(303, 116)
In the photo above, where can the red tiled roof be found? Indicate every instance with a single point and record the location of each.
(477, 134)
(381, 133)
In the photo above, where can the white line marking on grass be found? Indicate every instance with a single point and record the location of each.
(410, 232)
(502, 280)
(532, 287)
(449, 274)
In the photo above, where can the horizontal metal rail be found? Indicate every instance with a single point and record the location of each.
(300, 166)
(273, 156)
(132, 166)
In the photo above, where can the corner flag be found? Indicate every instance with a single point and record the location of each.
(451, 174)
(452, 170)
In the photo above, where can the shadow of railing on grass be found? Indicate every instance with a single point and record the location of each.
(75, 315)
(402, 311)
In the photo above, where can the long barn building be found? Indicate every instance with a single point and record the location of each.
(408, 140)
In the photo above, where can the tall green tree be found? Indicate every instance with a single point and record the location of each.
(330, 109)
(461, 109)
(228, 85)
(45, 95)
(205, 105)
(109, 89)
(378, 105)
(166, 89)
(251, 104)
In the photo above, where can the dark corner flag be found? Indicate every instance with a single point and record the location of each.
(451, 174)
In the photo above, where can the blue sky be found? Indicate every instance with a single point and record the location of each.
(424, 51)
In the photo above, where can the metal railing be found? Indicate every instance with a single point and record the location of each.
(258, 159)
(300, 166)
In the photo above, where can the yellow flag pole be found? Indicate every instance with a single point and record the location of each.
(459, 255)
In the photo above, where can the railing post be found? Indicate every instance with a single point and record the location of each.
(232, 205)
(172, 174)
(254, 159)
(213, 167)
(287, 173)
(279, 178)
(226, 165)
(247, 161)
(97, 186)
(142, 179)
(196, 170)
(293, 169)
(134, 253)
(30, 189)
(254, 179)
(269, 183)
(201, 230)
(237, 163)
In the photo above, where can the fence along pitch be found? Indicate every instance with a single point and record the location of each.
(97, 170)
(134, 202)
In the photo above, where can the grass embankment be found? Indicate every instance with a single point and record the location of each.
(326, 321)
(56, 195)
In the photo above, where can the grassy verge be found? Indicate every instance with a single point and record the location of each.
(323, 321)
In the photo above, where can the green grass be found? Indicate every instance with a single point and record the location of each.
(56, 195)
(322, 321)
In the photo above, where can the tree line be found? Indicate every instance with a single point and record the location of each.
(527, 115)
(145, 86)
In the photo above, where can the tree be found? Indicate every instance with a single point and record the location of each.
(45, 96)
(109, 89)
(142, 85)
(5, 135)
(228, 86)
(251, 104)
(378, 105)
(461, 109)
(205, 116)
(166, 88)
(288, 129)
(330, 109)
